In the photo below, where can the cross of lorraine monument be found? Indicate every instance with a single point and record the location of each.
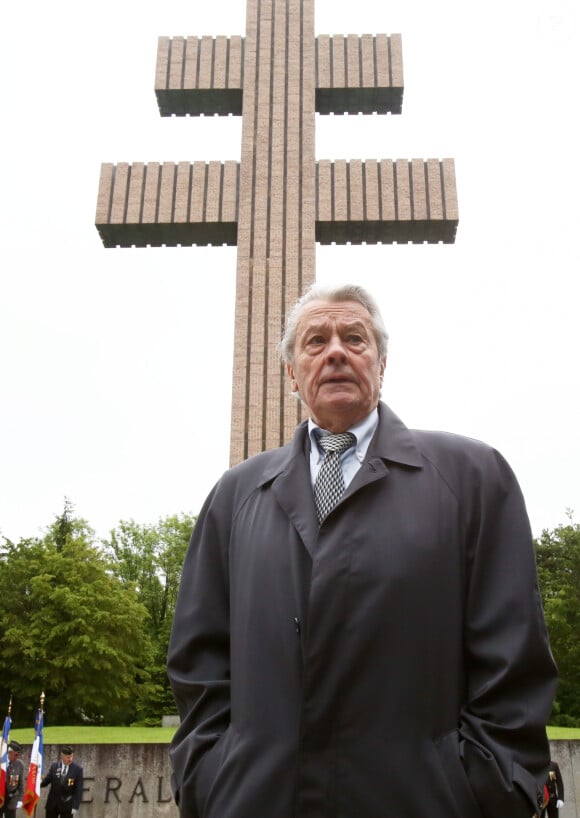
(278, 200)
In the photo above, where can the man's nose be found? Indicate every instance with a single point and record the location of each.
(335, 351)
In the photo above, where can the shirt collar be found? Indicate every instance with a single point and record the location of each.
(363, 431)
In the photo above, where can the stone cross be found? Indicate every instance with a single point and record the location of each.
(278, 200)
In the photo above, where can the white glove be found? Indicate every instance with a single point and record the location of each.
(74, 811)
(18, 805)
(559, 804)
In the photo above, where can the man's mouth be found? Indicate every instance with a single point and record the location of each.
(337, 379)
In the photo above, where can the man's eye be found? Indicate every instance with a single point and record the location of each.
(316, 339)
(354, 339)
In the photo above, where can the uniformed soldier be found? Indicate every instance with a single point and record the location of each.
(14, 781)
(555, 787)
(66, 785)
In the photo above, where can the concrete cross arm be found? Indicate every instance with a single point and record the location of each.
(170, 204)
(359, 74)
(353, 74)
(199, 75)
(385, 201)
(368, 201)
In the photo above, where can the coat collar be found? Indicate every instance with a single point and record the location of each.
(287, 469)
(393, 441)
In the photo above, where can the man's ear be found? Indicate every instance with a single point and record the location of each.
(382, 366)
(290, 371)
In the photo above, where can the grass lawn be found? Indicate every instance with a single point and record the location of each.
(569, 733)
(160, 735)
(97, 735)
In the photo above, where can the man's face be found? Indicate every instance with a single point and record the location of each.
(66, 758)
(336, 365)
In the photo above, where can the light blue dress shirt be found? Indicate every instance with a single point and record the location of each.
(350, 460)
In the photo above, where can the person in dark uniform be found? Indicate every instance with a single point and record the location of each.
(555, 787)
(14, 781)
(66, 785)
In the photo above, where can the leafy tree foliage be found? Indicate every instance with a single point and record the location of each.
(89, 624)
(70, 627)
(558, 558)
(148, 559)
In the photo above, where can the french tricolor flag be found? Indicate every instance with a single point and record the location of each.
(32, 792)
(4, 757)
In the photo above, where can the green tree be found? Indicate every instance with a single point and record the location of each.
(70, 627)
(558, 558)
(149, 559)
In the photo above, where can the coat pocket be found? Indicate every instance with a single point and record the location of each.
(447, 747)
(528, 786)
(210, 766)
(499, 793)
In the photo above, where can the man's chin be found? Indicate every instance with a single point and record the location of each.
(339, 391)
(340, 403)
(339, 411)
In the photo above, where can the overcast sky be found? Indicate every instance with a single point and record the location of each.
(116, 364)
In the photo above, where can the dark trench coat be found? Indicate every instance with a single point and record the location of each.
(391, 663)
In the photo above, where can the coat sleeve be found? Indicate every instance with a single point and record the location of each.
(21, 784)
(198, 664)
(510, 672)
(78, 787)
(559, 782)
(48, 777)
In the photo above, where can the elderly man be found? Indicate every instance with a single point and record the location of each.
(359, 632)
(65, 778)
(14, 781)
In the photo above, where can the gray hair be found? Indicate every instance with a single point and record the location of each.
(344, 292)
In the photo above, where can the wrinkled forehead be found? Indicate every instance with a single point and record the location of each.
(327, 313)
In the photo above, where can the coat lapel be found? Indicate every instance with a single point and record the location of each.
(288, 472)
(391, 443)
(291, 485)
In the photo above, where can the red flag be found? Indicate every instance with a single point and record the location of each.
(32, 793)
